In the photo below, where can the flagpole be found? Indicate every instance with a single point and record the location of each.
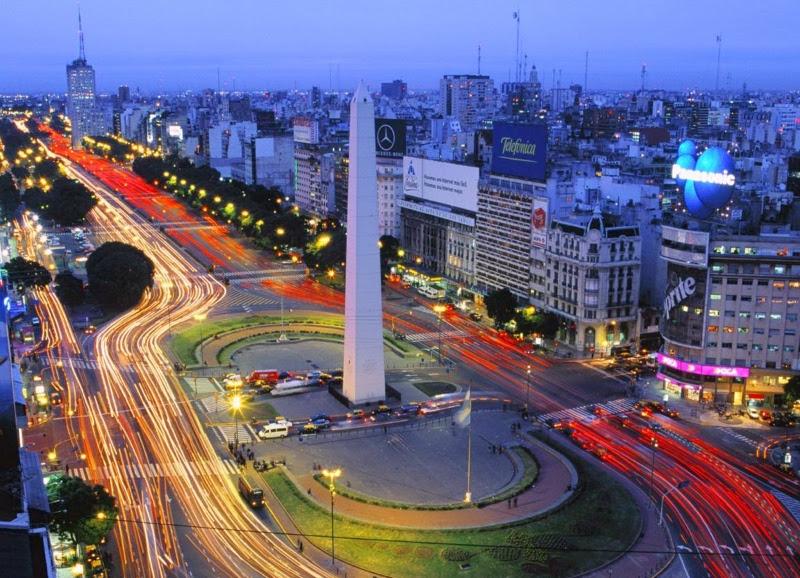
(468, 496)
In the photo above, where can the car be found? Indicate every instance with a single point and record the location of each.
(383, 408)
(273, 430)
(310, 428)
(599, 410)
(409, 409)
(89, 330)
(765, 415)
(753, 411)
(356, 414)
(55, 398)
(378, 416)
(475, 316)
(282, 420)
(671, 412)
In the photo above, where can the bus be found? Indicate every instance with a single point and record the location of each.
(251, 493)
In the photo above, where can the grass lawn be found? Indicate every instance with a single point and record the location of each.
(432, 388)
(601, 517)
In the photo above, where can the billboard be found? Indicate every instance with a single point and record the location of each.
(539, 218)
(446, 183)
(390, 137)
(519, 150)
(684, 303)
(701, 369)
(708, 179)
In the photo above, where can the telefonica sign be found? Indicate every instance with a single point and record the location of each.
(708, 179)
(682, 289)
(519, 150)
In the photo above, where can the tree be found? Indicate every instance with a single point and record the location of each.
(69, 289)
(501, 305)
(81, 513)
(326, 251)
(118, 275)
(547, 325)
(69, 202)
(791, 390)
(27, 273)
(9, 196)
(389, 249)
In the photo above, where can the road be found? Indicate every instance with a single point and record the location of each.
(133, 414)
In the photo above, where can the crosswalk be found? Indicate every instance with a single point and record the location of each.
(228, 433)
(225, 467)
(790, 503)
(434, 335)
(740, 437)
(584, 413)
(76, 362)
(247, 301)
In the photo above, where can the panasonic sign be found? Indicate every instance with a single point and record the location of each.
(679, 293)
(723, 178)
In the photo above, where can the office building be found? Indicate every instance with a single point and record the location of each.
(731, 314)
(468, 98)
(81, 105)
(314, 180)
(123, 94)
(397, 89)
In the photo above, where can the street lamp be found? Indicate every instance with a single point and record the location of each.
(527, 387)
(440, 309)
(200, 317)
(236, 405)
(654, 447)
(332, 475)
(680, 486)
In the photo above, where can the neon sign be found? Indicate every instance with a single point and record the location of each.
(700, 369)
(707, 179)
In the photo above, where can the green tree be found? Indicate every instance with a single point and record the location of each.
(69, 202)
(118, 275)
(389, 248)
(326, 251)
(791, 390)
(27, 273)
(501, 305)
(81, 513)
(69, 289)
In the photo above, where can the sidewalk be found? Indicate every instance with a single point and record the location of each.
(556, 474)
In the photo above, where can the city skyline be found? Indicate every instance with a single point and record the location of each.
(679, 51)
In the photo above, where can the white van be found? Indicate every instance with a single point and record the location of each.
(274, 430)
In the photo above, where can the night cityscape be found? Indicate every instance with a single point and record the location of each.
(499, 289)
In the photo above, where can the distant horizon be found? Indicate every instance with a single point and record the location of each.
(282, 45)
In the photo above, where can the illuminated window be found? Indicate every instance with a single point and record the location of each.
(685, 308)
(719, 250)
(749, 251)
(716, 296)
(744, 330)
(713, 328)
(779, 269)
(775, 316)
(713, 312)
(791, 301)
(777, 301)
(698, 310)
(760, 315)
(778, 284)
(728, 329)
(744, 314)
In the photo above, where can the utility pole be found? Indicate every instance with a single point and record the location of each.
(479, 59)
(586, 73)
(516, 54)
(719, 55)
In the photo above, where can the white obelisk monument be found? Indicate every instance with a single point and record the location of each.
(364, 377)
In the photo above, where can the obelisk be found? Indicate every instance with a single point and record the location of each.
(364, 376)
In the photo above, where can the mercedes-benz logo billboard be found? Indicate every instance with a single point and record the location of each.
(390, 137)
(386, 137)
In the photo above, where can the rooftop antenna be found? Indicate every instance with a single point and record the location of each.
(218, 81)
(719, 54)
(82, 53)
(524, 68)
(586, 73)
(479, 59)
(644, 74)
(516, 55)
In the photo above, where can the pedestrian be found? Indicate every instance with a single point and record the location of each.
(509, 503)
(301, 546)
(515, 502)
(66, 469)
(309, 491)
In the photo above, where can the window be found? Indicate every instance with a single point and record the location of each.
(727, 345)
(719, 250)
(776, 301)
(730, 314)
(713, 328)
(735, 250)
(763, 283)
(749, 251)
(744, 314)
(791, 317)
(760, 315)
(731, 281)
(775, 316)
(741, 346)
(774, 332)
(712, 344)
(758, 331)
(780, 269)
(728, 329)
(744, 330)
(730, 297)
(790, 332)
(794, 284)
(778, 284)
(716, 268)
(716, 296)
(761, 299)
(716, 279)
(791, 301)
(772, 348)
(757, 347)
(745, 298)
(788, 348)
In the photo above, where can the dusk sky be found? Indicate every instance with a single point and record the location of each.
(171, 45)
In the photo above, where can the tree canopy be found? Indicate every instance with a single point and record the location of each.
(501, 305)
(791, 389)
(67, 202)
(28, 273)
(81, 513)
(69, 289)
(9, 196)
(389, 252)
(118, 275)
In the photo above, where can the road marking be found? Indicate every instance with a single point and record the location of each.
(790, 503)
(584, 414)
(433, 335)
(162, 470)
(740, 437)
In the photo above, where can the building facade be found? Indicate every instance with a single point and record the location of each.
(730, 319)
(469, 98)
(81, 109)
(314, 184)
(592, 282)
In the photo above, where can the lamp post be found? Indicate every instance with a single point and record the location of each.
(440, 309)
(200, 317)
(527, 387)
(236, 405)
(680, 486)
(654, 447)
(332, 475)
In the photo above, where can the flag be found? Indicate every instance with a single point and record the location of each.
(464, 414)
(516, 15)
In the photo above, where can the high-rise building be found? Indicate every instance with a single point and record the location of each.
(469, 98)
(81, 95)
(397, 89)
(364, 366)
(123, 94)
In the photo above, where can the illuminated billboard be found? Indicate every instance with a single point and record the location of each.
(539, 222)
(708, 179)
(445, 183)
(684, 304)
(519, 150)
(701, 369)
(390, 137)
